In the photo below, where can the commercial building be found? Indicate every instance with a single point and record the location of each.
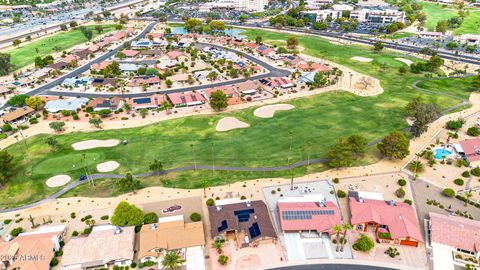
(377, 15)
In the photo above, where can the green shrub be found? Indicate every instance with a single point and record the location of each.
(7, 221)
(73, 215)
(449, 192)
(466, 174)
(341, 193)
(150, 218)
(87, 217)
(195, 217)
(475, 171)
(105, 217)
(87, 231)
(400, 193)
(223, 260)
(473, 131)
(407, 201)
(54, 262)
(364, 243)
(210, 202)
(7, 128)
(336, 180)
(402, 182)
(458, 181)
(133, 265)
(58, 253)
(16, 231)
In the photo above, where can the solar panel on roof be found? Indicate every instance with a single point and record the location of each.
(245, 211)
(305, 214)
(254, 230)
(223, 226)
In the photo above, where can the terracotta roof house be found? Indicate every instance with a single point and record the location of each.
(186, 99)
(292, 60)
(182, 77)
(247, 88)
(42, 243)
(150, 102)
(174, 54)
(70, 58)
(250, 45)
(82, 53)
(104, 82)
(105, 245)
(20, 114)
(454, 240)
(227, 90)
(470, 149)
(308, 213)
(393, 222)
(100, 66)
(144, 80)
(171, 234)
(130, 53)
(94, 48)
(317, 67)
(281, 82)
(101, 103)
(58, 65)
(248, 222)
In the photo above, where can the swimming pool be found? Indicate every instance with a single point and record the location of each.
(441, 153)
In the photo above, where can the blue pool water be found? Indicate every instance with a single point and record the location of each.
(441, 153)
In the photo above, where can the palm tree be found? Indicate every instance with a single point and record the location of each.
(468, 195)
(205, 186)
(337, 228)
(166, 106)
(218, 246)
(172, 260)
(346, 227)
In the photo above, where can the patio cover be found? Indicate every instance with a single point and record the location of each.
(442, 259)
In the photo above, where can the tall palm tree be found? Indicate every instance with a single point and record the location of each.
(205, 186)
(172, 260)
(337, 228)
(346, 227)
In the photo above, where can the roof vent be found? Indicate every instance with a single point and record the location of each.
(360, 199)
(219, 207)
(391, 203)
(153, 226)
(118, 230)
(248, 203)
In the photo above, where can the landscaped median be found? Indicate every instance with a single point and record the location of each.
(309, 130)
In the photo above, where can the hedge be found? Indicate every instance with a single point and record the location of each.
(459, 182)
(449, 192)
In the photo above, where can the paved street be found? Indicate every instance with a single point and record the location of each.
(333, 267)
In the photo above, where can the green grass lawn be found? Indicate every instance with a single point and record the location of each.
(25, 54)
(436, 13)
(471, 24)
(399, 35)
(461, 87)
(318, 120)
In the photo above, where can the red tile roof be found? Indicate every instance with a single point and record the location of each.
(228, 90)
(100, 65)
(455, 231)
(319, 223)
(470, 148)
(174, 54)
(314, 67)
(183, 98)
(130, 53)
(267, 51)
(400, 218)
(250, 45)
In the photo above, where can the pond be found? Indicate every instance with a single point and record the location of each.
(235, 32)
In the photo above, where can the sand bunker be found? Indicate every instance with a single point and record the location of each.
(269, 110)
(58, 180)
(107, 166)
(362, 59)
(229, 123)
(405, 61)
(94, 144)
